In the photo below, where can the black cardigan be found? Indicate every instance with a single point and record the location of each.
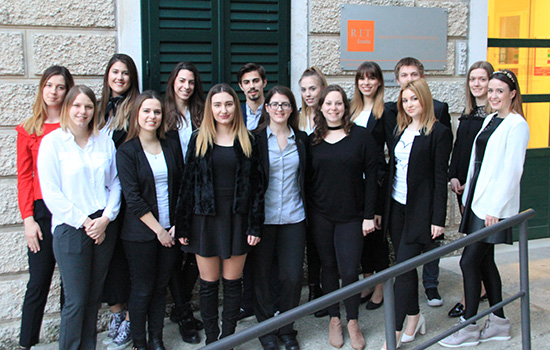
(302, 141)
(138, 186)
(426, 184)
(197, 190)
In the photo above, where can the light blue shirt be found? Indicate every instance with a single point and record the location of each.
(252, 118)
(283, 201)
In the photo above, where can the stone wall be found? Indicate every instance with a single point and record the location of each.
(35, 34)
(446, 85)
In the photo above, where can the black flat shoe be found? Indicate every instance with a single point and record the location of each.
(188, 331)
(366, 298)
(290, 342)
(484, 297)
(371, 305)
(457, 310)
(269, 342)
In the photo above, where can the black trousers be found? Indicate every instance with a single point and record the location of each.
(313, 260)
(477, 264)
(83, 266)
(340, 246)
(151, 265)
(406, 285)
(41, 267)
(286, 244)
(117, 282)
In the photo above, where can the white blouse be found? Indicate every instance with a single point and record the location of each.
(402, 154)
(75, 181)
(157, 162)
(185, 131)
(363, 118)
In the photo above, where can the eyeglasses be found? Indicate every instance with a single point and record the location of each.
(284, 105)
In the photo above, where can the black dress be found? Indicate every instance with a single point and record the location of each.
(223, 234)
(470, 222)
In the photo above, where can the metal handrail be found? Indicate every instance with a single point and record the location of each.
(386, 276)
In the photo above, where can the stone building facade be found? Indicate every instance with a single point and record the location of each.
(82, 35)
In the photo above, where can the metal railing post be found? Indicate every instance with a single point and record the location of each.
(389, 314)
(524, 285)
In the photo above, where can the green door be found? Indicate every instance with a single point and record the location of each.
(218, 37)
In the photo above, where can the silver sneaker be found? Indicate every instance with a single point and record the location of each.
(114, 325)
(496, 328)
(124, 337)
(467, 336)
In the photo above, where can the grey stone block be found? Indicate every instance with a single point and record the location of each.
(82, 54)
(9, 210)
(13, 251)
(16, 102)
(8, 155)
(59, 13)
(11, 54)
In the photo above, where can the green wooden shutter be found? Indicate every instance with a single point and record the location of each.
(217, 36)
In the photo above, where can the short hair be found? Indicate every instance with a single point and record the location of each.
(134, 127)
(470, 99)
(508, 77)
(251, 67)
(321, 126)
(292, 119)
(68, 102)
(424, 95)
(409, 61)
(35, 124)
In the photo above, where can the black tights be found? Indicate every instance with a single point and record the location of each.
(477, 264)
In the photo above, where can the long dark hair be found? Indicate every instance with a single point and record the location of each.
(321, 127)
(120, 120)
(369, 70)
(294, 115)
(174, 119)
(134, 128)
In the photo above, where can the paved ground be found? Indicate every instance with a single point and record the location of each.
(313, 332)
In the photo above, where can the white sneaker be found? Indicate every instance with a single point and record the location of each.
(496, 328)
(467, 336)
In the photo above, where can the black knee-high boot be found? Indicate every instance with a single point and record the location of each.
(209, 309)
(232, 294)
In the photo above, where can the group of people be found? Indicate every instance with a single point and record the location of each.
(133, 194)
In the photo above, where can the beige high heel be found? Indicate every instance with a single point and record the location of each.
(355, 335)
(335, 336)
(420, 327)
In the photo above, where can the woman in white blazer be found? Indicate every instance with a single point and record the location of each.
(492, 192)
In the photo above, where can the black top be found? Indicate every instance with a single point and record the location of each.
(138, 186)
(469, 126)
(336, 186)
(483, 138)
(224, 166)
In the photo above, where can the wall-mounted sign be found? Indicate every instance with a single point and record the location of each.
(385, 34)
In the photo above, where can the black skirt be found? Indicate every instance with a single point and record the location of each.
(223, 234)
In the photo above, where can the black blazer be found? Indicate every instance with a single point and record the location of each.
(426, 184)
(138, 186)
(302, 141)
(441, 111)
(197, 190)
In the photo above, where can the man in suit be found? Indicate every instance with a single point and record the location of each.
(406, 70)
(252, 81)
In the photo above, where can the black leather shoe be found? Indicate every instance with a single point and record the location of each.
(371, 305)
(156, 344)
(140, 345)
(269, 342)
(457, 310)
(290, 342)
(188, 331)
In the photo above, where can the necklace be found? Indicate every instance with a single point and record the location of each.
(335, 127)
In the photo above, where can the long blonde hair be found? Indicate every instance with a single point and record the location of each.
(207, 130)
(427, 119)
(310, 72)
(369, 70)
(35, 124)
